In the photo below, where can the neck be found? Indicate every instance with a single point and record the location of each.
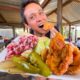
(39, 34)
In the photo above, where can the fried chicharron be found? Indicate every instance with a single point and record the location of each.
(63, 57)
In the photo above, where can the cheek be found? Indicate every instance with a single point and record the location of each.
(33, 24)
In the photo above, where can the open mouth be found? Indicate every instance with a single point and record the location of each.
(41, 26)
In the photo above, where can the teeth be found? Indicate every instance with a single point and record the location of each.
(40, 24)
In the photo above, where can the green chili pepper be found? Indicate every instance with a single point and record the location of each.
(36, 59)
(23, 65)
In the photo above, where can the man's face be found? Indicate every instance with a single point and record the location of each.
(35, 17)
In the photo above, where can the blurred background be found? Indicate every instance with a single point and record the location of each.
(11, 23)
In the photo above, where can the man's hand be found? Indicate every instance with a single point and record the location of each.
(53, 32)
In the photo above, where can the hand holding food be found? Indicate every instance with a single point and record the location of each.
(47, 26)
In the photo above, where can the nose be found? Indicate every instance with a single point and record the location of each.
(39, 18)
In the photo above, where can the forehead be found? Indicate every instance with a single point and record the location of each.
(32, 8)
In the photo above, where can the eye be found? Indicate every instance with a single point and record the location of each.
(32, 17)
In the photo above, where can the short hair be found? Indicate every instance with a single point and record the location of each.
(23, 5)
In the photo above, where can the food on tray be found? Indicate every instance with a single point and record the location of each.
(24, 43)
(75, 66)
(24, 65)
(60, 55)
(63, 58)
(41, 55)
(36, 59)
(31, 48)
(10, 67)
(42, 47)
(57, 42)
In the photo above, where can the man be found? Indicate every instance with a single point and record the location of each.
(34, 19)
